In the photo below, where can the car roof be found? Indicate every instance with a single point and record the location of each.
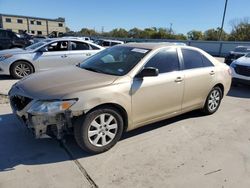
(108, 40)
(151, 45)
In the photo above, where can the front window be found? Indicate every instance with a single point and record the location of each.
(165, 61)
(118, 60)
(37, 45)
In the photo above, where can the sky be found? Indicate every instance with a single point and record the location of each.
(185, 15)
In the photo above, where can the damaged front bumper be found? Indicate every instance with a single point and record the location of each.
(54, 124)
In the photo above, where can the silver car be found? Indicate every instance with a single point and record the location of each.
(45, 55)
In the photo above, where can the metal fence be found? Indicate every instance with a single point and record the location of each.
(215, 48)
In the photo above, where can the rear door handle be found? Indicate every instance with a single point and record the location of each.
(63, 56)
(178, 79)
(212, 72)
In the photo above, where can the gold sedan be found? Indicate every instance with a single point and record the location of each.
(118, 90)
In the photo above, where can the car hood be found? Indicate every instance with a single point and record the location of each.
(238, 53)
(56, 84)
(243, 61)
(14, 51)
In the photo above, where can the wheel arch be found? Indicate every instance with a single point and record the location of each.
(119, 108)
(221, 86)
(24, 61)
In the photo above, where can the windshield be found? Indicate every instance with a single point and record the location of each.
(118, 60)
(242, 49)
(37, 45)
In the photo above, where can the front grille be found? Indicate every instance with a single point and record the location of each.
(242, 70)
(19, 102)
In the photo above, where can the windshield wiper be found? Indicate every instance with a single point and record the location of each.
(92, 69)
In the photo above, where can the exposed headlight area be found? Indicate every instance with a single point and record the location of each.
(51, 107)
(233, 65)
(5, 56)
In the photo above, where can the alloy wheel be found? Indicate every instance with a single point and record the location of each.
(214, 100)
(102, 130)
(22, 70)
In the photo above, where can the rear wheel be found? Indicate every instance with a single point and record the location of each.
(21, 69)
(213, 101)
(99, 130)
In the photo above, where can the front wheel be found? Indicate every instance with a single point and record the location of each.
(99, 130)
(21, 69)
(213, 101)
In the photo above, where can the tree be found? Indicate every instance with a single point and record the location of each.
(240, 30)
(67, 29)
(135, 33)
(122, 33)
(213, 34)
(180, 37)
(195, 35)
(87, 32)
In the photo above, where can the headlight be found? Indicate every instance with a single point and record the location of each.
(50, 107)
(233, 65)
(6, 56)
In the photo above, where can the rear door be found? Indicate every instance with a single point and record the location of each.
(54, 55)
(79, 51)
(199, 76)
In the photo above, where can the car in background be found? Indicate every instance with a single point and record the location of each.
(241, 70)
(81, 38)
(9, 39)
(108, 43)
(45, 55)
(238, 52)
(118, 90)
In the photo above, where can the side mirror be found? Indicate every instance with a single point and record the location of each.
(148, 71)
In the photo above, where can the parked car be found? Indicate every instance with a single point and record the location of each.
(108, 43)
(238, 52)
(118, 90)
(9, 39)
(81, 38)
(45, 55)
(241, 70)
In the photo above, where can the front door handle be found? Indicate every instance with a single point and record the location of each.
(178, 79)
(212, 72)
(63, 56)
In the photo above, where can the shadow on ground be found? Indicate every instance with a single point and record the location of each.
(6, 77)
(18, 147)
(239, 91)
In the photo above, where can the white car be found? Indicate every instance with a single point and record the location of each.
(45, 55)
(108, 43)
(241, 70)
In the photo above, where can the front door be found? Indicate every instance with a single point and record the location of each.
(157, 97)
(54, 55)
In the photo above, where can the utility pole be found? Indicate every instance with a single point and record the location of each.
(223, 19)
(170, 29)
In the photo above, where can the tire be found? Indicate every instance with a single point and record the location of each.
(213, 101)
(21, 69)
(92, 130)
